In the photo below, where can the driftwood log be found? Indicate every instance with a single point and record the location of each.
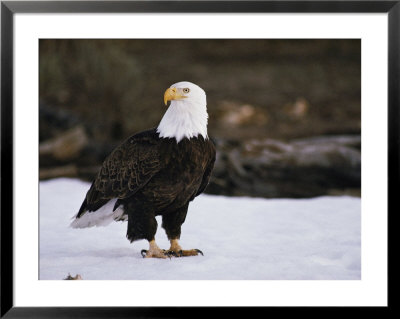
(299, 168)
(66, 146)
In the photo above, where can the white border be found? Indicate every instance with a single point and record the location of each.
(370, 291)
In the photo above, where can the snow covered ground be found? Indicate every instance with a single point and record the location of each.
(242, 238)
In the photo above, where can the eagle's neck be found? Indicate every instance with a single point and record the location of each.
(184, 119)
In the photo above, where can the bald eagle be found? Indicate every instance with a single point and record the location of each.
(155, 172)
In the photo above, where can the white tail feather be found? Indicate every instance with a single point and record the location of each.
(101, 217)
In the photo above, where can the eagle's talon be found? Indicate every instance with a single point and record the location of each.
(199, 251)
(167, 253)
(172, 253)
(143, 253)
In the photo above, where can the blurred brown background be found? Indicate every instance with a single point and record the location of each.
(285, 114)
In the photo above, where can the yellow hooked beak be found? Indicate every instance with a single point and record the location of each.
(173, 94)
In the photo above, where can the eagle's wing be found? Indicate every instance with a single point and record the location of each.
(127, 169)
(208, 170)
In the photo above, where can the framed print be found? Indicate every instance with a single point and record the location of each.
(242, 154)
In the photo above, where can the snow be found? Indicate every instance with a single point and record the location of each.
(241, 238)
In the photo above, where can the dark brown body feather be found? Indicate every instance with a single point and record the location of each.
(152, 176)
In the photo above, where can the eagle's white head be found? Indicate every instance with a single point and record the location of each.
(187, 115)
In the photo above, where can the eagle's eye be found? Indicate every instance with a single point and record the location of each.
(186, 90)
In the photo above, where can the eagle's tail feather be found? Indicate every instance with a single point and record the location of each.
(101, 217)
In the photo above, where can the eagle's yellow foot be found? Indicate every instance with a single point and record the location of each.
(154, 251)
(177, 251)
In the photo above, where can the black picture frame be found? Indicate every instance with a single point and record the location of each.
(9, 8)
